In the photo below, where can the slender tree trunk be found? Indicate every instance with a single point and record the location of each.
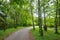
(32, 15)
(45, 27)
(40, 19)
(56, 26)
(59, 13)
(15, 21)
(4, 23)
(59, 16)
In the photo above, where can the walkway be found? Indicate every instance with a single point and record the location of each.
(23, 34)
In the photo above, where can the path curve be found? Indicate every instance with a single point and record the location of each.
(23, 34)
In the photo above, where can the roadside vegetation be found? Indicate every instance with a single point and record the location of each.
(49, 35)
(4, 34)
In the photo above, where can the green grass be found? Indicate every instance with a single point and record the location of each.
(49, 35)
(8, 32)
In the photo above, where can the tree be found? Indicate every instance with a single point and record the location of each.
(40, 18)
(32, 14)
(45, 26)
(56, 26)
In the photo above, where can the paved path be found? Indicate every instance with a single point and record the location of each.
(22, 34)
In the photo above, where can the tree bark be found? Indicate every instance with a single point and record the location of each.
(40, 18)
(56, 26)
(45, 27)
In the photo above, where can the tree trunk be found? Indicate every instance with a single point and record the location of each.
(32, 15)
(4, 23)
(45, 27)
(15, 21)
(56, 26)
(40, 19)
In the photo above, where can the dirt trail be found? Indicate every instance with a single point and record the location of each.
(23, 34)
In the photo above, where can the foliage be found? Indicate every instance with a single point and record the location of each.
(18, 12)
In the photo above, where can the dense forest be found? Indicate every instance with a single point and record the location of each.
(42, 13)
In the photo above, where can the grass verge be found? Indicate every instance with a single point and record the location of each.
(49, 35)
(8, 32)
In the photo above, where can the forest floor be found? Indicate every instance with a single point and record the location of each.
(23, 34)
